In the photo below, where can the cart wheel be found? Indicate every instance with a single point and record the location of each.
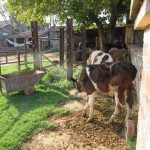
(29, 90)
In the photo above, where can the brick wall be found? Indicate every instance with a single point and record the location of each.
(143, 134)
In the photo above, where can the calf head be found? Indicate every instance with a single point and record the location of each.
(78, 84)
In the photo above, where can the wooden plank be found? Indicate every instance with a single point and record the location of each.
(10, 49)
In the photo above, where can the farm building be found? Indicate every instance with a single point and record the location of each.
(140, 56)
(54, 33)
(9, 37)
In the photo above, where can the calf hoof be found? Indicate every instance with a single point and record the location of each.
(89, 120)
(84, 114)
(110, 121)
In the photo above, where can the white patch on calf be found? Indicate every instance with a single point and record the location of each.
(88, 73)
(99, 58)
(93, 55)
(112, 89)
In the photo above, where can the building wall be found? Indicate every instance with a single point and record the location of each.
(1, 42)
(136, 54)
(143, 134)
(138, 37)
(55, 37)
(133, 36)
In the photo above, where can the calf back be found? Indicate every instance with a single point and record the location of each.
(99, 78)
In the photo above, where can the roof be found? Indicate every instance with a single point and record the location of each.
(134, 8)
(140, 14)
(27, 34)
(57, 28)
(3, 23)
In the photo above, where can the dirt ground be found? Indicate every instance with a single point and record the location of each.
(72, 132)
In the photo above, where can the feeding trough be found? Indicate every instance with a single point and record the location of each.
(24, 80)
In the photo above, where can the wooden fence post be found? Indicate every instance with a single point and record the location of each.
(0, 74)
(69, 49)
(6, 56)
(83, 46)
(18, 54)
(35, 44)
(62, 46)
(0, 67)
(25, 53)
(40, 51)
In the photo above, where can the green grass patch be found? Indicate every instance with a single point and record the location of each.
(7, 69)
(130, 144)
(22, 116)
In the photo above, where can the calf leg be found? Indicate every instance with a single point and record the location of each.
(129, 102)
(85, 107)
(116, 108)
(91, 105)
(128, 115)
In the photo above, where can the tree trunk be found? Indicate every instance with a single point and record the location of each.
(113, 19)
(102, 38)
(102, 35)
(110, 35)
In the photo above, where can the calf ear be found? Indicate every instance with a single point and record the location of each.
(74, 80)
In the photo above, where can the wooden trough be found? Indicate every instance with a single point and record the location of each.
(24, 80)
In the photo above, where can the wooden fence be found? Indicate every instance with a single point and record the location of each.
(38, 54)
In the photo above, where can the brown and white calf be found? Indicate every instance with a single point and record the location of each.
(99, 57)
(118, 54)
(111, 78)
(108, 46)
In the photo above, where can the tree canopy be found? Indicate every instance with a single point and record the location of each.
(102, 13)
